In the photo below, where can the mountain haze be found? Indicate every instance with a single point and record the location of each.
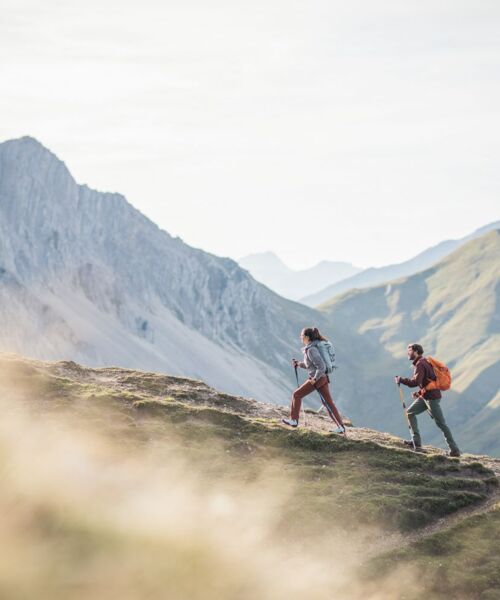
(270, 270)
(453, 310)
(378, 275)
(85, 276)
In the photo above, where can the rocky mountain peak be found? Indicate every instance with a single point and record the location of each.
(98, 273)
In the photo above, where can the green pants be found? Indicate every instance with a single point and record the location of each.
(420, 406)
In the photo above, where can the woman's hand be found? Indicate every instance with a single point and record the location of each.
(295, 363)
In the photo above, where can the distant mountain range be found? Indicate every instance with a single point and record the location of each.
(270, 270)
(377, 275)
(453, 310)
(85, 276)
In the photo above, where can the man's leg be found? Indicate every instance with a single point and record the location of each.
(306, 388)
(417, 407)
(437, 413)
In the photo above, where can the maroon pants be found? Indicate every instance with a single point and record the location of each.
(305, 389)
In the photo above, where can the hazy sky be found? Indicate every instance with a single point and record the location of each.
(346, 130)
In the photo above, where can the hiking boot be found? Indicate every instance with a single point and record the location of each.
(454, 453)
(340, 430)
(290, 422)
(410, 444)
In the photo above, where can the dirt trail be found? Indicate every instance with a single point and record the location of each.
(323, 424)
(197, 392)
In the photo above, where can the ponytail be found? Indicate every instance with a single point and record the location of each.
(314, 335)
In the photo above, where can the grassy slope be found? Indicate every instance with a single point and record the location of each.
(462, 562)
(398, 488)
(353, 487)
(453, 310)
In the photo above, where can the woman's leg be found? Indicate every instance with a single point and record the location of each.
(306, 388)
(324, 390)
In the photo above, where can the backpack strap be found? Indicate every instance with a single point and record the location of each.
(326, 366)
(433, 376)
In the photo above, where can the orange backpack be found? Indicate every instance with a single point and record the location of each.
(443, 376)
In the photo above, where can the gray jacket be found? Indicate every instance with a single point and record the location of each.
(313, 361)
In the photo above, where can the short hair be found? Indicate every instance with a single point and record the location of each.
(417, 348)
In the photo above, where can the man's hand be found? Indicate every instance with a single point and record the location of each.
(295, 363)
(397, 379)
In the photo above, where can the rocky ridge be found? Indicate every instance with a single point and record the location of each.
(85, 275)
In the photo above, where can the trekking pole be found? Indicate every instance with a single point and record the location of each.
(427, 406)
(330, 412)
(298, 385)
(402, 397)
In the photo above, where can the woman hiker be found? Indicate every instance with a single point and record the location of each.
(318, 380)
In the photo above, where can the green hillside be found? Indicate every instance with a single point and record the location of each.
(453, 310)
(458, 563)
(138, 485)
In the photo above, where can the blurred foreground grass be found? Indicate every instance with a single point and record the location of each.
(134, 485)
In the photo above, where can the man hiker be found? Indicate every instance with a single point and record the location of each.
(425, 399)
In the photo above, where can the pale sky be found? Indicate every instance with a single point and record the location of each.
(358, 130)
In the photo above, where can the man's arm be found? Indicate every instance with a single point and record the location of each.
(418, 377)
